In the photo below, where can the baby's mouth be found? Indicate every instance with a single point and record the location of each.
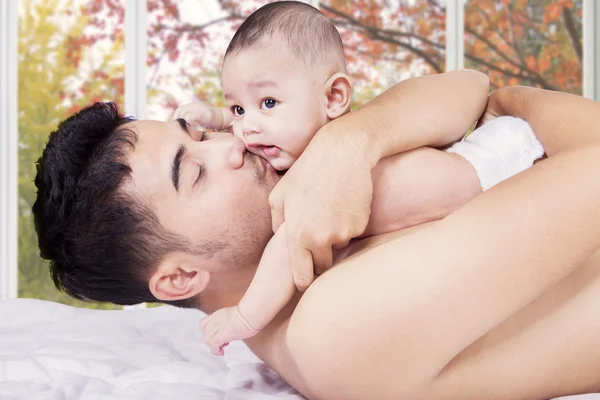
(266, 150)
(270, 151)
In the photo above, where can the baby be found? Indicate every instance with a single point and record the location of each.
(284, 77)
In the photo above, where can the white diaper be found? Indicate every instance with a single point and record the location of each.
(499, 149)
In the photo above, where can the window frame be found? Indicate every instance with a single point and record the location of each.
(136, 38)
(9, 173)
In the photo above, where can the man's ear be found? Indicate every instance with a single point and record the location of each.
(339, 95)
(179, 276)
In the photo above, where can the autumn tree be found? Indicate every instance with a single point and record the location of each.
(513, 41)
(63, 66)
(536, 43)
(71, 53)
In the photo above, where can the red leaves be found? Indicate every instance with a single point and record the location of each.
(517, 41)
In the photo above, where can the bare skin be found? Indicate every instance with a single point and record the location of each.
(529, 356)
(473, 295)
(499, 300)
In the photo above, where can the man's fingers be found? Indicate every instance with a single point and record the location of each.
(341, 245)
(277, 217)
(321, 259)
(302, 265)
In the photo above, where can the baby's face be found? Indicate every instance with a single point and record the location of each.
(277, 103)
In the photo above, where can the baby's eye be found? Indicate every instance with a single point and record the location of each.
(237, 110)
(269, 103)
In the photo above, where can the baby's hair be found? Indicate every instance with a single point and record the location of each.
(308, 33)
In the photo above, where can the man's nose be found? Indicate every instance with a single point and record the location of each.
(224, 150)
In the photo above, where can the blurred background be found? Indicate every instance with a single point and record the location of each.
(72, 53)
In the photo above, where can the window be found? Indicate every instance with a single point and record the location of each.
(70, 54)
(533, 43)
(388, 41)
(187, 40)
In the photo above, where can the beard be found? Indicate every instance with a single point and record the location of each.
(259, 177)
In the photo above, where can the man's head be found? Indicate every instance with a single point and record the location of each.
(284, 77)
(134, 211)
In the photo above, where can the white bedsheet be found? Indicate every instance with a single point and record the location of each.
(50, 351)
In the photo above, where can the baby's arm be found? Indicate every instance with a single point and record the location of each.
(419, 186)
(270, 290)
(207, 116)
(428, 184)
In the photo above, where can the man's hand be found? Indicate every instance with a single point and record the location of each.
(204, 115)
(325, 200)
(224, 326)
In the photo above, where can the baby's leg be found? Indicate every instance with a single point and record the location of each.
(499, 149)
(270, 290)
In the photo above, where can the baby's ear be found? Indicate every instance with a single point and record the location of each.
(179, 276)
(339, 95)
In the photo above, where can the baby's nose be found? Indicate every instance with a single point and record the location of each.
(250, 124)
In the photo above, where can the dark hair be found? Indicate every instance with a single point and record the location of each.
(102, 242)
(307, 31)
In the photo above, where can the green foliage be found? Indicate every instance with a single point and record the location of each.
(58, 74)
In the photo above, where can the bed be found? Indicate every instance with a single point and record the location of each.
(50, 351)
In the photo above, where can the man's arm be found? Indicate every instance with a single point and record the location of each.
(558, 108)
(432, 110)
(325, 198)
(443, 288)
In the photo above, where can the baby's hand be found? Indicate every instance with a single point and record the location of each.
(201, 113)
(223, 326)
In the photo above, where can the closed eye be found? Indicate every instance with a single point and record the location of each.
(201, 171)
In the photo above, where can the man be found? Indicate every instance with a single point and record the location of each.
(153, 213)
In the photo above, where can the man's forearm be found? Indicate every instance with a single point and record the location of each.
(560, 120)
(432, 110)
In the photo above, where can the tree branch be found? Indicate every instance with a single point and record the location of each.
(375, 34)
(535, 79)
(492, 46)
(513, 41)
(194, 28)
(569, 22)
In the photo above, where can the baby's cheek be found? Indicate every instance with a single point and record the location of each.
(283, 162)
(297, 146)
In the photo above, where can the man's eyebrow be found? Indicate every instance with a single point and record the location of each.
(176, 167)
